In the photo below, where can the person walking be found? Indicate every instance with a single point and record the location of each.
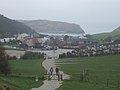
(51, 70)
(56, 70)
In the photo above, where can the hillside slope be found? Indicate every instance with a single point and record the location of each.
(115, 34)
(45, 26)
(9, 26)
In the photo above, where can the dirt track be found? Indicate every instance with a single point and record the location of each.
(52, 84)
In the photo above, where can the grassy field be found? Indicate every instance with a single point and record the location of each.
(23, 74)
(104, 73)
(115, 35)
(27, 67)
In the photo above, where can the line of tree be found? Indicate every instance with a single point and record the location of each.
(32, 55)
(4, 63)
(68, 55)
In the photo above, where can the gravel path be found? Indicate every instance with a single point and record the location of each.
(51, 84)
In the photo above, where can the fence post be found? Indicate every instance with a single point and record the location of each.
(61, 77)
(107, 82)
(58, 77)
(48, 76)
(54, 76)
(118, 85)
(81, 76)
(36, 79)
(95, 82)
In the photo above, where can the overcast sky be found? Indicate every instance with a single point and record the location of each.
(92, 15)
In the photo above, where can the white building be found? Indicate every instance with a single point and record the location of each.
(22, 36)
(7, 39)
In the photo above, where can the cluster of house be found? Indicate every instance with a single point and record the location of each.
(73, 42)
(96, 50)
(29, 41)
(26, 41)
(2, 40)
(78, 41)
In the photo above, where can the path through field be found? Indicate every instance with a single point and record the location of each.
(52, 84)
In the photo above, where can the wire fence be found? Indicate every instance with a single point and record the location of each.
(107, 83)
(111, 84)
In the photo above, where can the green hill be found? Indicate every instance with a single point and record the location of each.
(115, 34)
(9, 26)
(53, 27)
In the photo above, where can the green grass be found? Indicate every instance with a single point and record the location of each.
(20, 83)
(27, 67)
(100, 69)
(100, 36)
(23, 74)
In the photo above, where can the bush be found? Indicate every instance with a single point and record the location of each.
(11, 57)
(32, 55)
(4, 64)
(68, 55)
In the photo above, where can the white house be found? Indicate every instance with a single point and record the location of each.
(7, 39)
(2, 40)
(22, 36)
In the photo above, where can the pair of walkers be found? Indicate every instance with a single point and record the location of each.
(52, 70)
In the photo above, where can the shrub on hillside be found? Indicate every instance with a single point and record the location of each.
(12, 57)
(32, 55)
(4, 64)
(68, 55)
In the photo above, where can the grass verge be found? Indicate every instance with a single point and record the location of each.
(23, 74)
(104, 73)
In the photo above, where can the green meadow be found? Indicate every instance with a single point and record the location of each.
(104, 73)
(27, 67)
(23, 74)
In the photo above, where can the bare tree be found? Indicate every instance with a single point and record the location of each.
(4, 64)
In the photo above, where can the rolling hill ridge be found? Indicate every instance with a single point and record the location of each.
(57, 27)
(11, 27)
(115, 34)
